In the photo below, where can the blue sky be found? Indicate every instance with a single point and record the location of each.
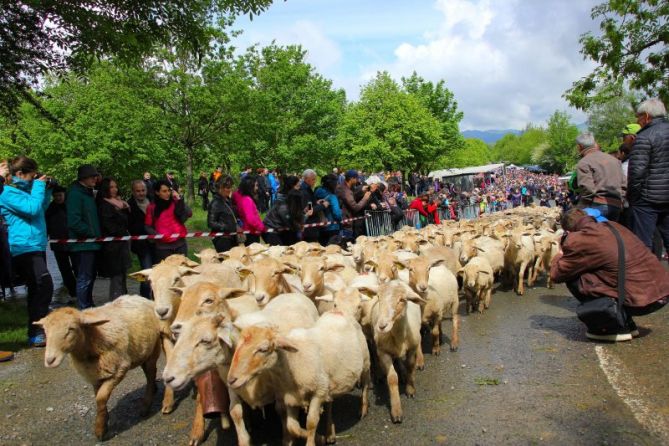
(507, 61)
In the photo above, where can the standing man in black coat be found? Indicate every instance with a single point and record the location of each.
(648, 173)
(143, 249)
(310, 203)
(56, 228)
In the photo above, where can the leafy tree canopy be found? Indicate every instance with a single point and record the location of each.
(633, 48)
(475, 152)
(518, 149)
(606, 120)
(560, 155)
(42, 37)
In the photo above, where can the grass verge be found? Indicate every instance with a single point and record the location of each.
(13, 328)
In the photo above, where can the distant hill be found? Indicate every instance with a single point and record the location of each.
(492, 136)
(489, 136)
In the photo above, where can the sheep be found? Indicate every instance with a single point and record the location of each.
(239, 253)
(477, 279)
(548, 247)
(269, 279)
(518, 258)
(438, 287)
(396, 319)
(307, 367)
(104, 343)
(190, 358)
(484, 246)
(179, 260)
(209, 255)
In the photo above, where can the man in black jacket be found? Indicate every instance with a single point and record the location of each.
(648, 174)
(221, 216)
(310, 203)
(56, 228)
(139, 203)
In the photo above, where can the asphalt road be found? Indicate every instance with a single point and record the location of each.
(524, 374)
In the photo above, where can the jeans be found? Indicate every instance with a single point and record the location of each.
(608, 211)
(117, 286)
(225, 243)
(86, 273)
(65, 261)
(145, 262)
(32, 268)
(645, 218)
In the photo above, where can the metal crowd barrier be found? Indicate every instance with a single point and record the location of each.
(378, 223)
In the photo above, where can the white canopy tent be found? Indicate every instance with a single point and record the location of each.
(445, 173)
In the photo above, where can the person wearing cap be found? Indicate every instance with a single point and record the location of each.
(350, 207)
(648, 173)
(628, 135)
(600, 178)
(83, 222)
(587, 263)
(171, 181)
(23, 204)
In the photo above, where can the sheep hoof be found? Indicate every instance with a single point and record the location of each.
(167, 409)
(397, 419)
(436, 352)
(454, 348)
(331, 440)
(420, 366)
(194, 442)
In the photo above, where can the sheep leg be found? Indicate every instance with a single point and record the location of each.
(149, 369)
(436, 336)
(102, 395)
(521, 279)
(455, 332)
(411, 373)
(313, 417)
(168, 397)
(237, 415)
(386, 362)
(366, 383)
(420, 358)
(532, 276)
(480, 299)
(330, 434)
(197, 430)
(488, 298)
(293, 428)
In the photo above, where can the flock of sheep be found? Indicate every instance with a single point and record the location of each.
(299, 326)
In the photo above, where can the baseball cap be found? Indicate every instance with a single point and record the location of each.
(631, 129)
(351, 173)
(86, 171)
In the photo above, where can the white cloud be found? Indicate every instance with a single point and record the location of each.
(507, 61)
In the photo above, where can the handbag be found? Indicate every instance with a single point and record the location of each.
(604, 315)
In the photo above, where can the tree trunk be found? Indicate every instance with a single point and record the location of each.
(190, 186)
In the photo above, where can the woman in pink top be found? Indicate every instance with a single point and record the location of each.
(167, 216)
(247, 210)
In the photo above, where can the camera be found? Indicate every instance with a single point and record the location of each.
(51, 183)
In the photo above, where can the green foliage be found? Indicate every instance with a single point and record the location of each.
(79, 33)
(519, 149)
(633, 49)
(474, 153)
(389, 129)
(606, 120)
(560, 154)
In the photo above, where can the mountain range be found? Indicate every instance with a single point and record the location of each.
(492, 136)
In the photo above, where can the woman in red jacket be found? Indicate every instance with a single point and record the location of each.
(167, 216)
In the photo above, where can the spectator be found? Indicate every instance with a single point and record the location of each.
(588, 263)
(264, 191)
(600, 178)
(629, 136)
(273, 181)
(350, 207)
(56, 228)
(171, 182)
(420, 204)
(203, 190)
(83, 222)
(286, 213)
(221, 216)
(307, 189)
(149, 183)
(330, 234)
(6, 271)
(213, 178)
(247, 210)
(167, 215)
(647, 178)
(22, 205)
(143, 249)
(114, 214)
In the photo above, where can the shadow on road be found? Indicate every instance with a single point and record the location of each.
(568, 327)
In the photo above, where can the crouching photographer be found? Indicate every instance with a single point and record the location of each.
(612, 274)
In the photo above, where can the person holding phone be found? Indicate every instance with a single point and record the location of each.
(167, 215)
(286, 214)
(350, 206)
(313, 208)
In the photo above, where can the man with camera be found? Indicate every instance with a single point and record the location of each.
(352, 207)
(589, 262)
(23, 203)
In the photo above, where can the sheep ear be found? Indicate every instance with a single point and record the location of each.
(412, 295)
(480, 249)
(229, 293)
(186, 270)
(290, 267)
(179, 291)
(285, 344)
(436, 262)
(40, 323)
(461, 272)
(346, 253)
(92, 320)
(484, 272)
(326, 298)
(141, 276)
(334, 266)
(244, 272)
(227, 333)
(369, 290)
(197, 254)
(190, 263)
(371, 263)
(401, 264)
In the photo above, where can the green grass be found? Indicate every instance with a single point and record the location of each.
(13, 328)
(487, 381)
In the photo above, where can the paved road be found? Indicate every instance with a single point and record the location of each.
(524, 374)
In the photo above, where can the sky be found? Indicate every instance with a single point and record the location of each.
(508, 62)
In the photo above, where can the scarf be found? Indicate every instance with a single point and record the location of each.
(161, 205)
(143, 205)
(117, 203)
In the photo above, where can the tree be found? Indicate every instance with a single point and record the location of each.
(560, 155)
(633, 49)
(474, 153)
(519, 149)
(606, 120)
(293, 111)
(441, 102)
(390, 129)
(46, 37)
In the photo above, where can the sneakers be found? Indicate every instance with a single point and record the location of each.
(6, 356)
(634, 331)
(612, 337)
(37, 341)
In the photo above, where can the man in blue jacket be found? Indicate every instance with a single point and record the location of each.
(23, 203)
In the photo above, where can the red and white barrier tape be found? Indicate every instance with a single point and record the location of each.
(189, 234)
